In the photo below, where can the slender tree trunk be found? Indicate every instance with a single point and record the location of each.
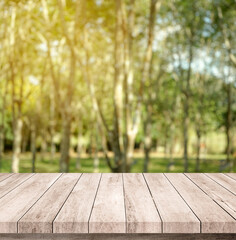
(52, 125)
(65, 145)
(171, 147)
(147, 136)
(17, 145)
(33, 145)
(186, 106)
(118, 140)
(43, 149)
(79, 145)
(228, 126)
(95, 155)
(185, 131)
(25, 139)
(2, 123)
(197, 167)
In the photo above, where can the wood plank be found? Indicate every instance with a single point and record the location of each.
(108, 213)
(40, 217)
(12, 182)
(232, 175)
(141, 212)
(16, 203)
(166, 197)
(119, 236)
(74, 216)
(224, 181)
(213, 218)
(3, 176)
(215, 191)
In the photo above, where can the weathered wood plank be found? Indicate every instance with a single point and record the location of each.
(40, 217)
(74, 216)
(175, 214)
(16, 203)
(3, 176)
(215, 191)
(224, 181)
(124, 236)
(141, 212)
(232, 175)
(108, 213)
(213, 218)
(12, 182)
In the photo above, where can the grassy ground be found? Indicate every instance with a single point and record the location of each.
(157, 164)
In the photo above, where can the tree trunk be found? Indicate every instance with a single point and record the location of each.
(17, 145)
(147, 136)
(186, 104)
(197, 168)
(79, 145)
(2, 123)
(52, 125)
(43, 148)
(25, 139)
(171, 147)
(33, 146)
(95, 155)
(228, 126)
(185, 131)
(65, 145)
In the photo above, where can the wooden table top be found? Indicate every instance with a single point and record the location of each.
(117, 203)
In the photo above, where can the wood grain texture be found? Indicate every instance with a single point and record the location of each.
(74, 216)
(108, 213)
(16, 203)
(12, 182)
(130, 204)
(40, 217)
(3, 176)
(126, 236)
(178, 218)
(213, 218)
(224, 181)
(232, 175)
(215, 191)
(141, 212)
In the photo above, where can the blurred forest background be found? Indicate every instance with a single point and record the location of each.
(117, 85)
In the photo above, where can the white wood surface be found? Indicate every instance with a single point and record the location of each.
(12, 182)
(141, 212)
(16, 203)
(48, 206)
(166, 197)
(117, 204)
(108, 213)
(224, 181)
(74, 216)
(219, 194)
(213, 218)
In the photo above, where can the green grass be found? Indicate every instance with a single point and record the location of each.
(157, 164)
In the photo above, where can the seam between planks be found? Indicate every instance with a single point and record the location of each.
(210, 197)
(124, 203)
(17, 185)
(65, 200)
(219, 183)
(229, 176)
(37, 201)
(10, 174)
(185, 202)
(162, 227)
(94, 200)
